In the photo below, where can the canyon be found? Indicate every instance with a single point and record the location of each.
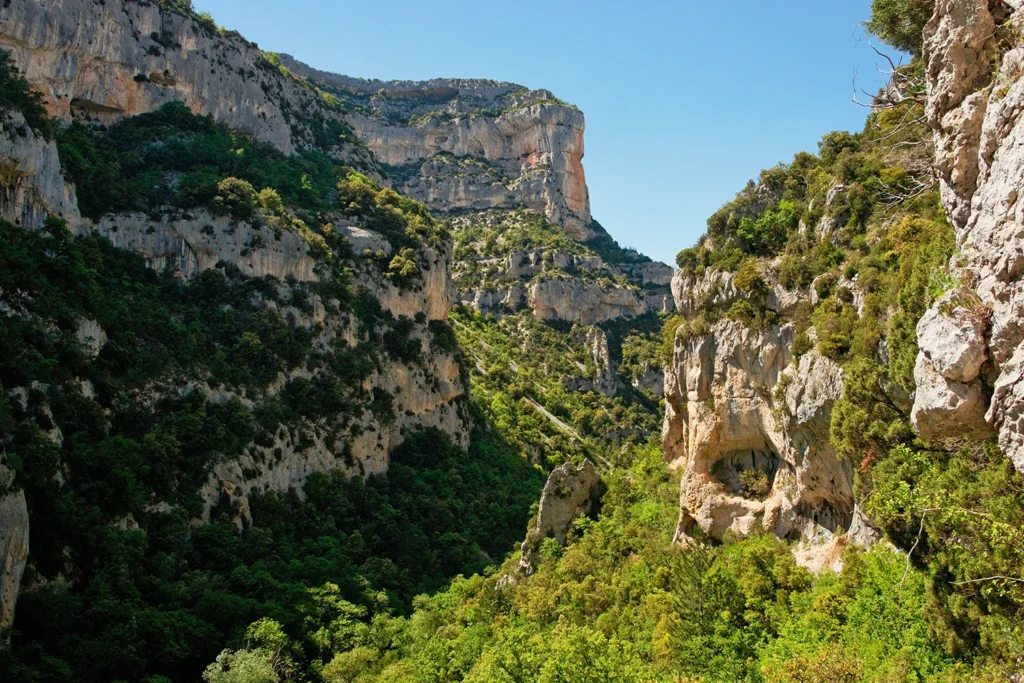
(450, 289)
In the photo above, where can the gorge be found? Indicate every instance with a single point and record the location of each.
(308, 377)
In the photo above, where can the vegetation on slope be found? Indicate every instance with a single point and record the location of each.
(622, 603)
(112, 443)
(172, 161)
(522, 365)
(320, 587)
(17, 95)
(111, 498)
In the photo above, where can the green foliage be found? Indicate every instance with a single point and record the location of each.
(404, 222)
(177, 6)
(605, 246)
(668, 338)
(111, 503)
(243, 666)
(237, 198)
(621, 603)
(900, 23)
(172, 158)
(766, 234)
(17, 95)
(527, 367)
(961, 512)
(485, 242)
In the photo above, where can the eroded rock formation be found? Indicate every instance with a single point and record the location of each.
(970, 371)
(110, 60)
(570, 491)
(750, 430)
(13, 545)
(472, 144)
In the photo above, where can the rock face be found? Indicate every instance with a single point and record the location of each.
(13, 546)
(951, 398)
(471, 144)
(108, 61)
(32, 185)
(570, 491)
(582, 302)
(755, 455)
(605, 380)
(121, 58)
(490, 149)
(970, 370)
(496, 274)
(750, 430)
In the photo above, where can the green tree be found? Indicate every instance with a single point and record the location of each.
(900, 23)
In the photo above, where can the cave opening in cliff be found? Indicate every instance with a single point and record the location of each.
(749, 473)
(822, 514)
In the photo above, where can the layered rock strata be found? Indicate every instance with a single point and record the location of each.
(105, 61)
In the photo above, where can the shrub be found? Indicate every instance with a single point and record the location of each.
(741, 311)
(236, 198)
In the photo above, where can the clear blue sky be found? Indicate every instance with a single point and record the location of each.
(684, 101)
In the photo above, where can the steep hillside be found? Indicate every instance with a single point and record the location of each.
(502, 164)
(213, 326)
(231, 320)
(827, 372)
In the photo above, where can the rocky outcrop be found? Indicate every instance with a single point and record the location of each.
(973, 381)
(190, 245)
(750, 431)
(570, 491)
(649, 273)
(951, 398)
(605, 381)
(13, 546)
(651, 379)
(472, 144)
(121, 58)
(32, 184)
(582, 302)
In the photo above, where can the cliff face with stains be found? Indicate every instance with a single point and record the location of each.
(110, 60)
(506, 161)
(748, 423)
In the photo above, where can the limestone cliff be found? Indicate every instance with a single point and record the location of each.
(971, 363)
(570, 492)
(750, 430)
(122, 58)
(499, 154)
(32, 185)
(105, 62)
(507, 261)
(471, 144)
(14, 531)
